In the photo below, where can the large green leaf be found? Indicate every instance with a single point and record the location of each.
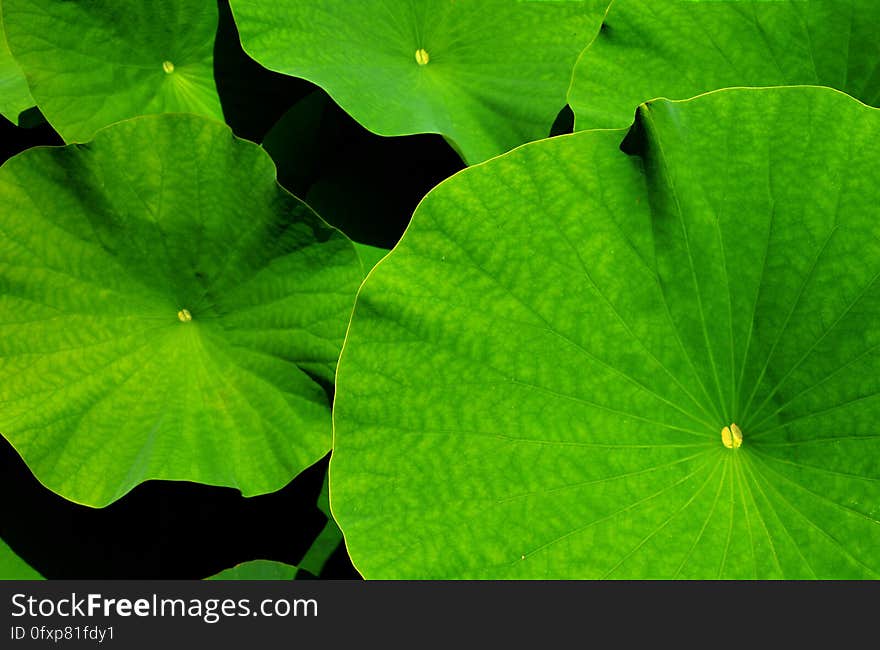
(166, 311)
(14, 94)
(536, 379)
(13, 567)
(93, 63)
(681, 48)
(488, 74)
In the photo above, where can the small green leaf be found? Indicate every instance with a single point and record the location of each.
(13, 567)
(327, 541)
(321, 549)
(167, 311)
(537, 380)
(488, 74)
(649, 49)
(257, 570)
(90, 64)
(14, 94)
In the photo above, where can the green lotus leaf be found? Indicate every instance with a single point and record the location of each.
(14, 94)
(487, 74)
(167, 311)
(13, 567)
(680, 49)
(257, 570)
(90, 64)
(651, 356)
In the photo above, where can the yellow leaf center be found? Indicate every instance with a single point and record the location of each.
(168, 67)
(184, 316)
(732, 437)
(422, 57)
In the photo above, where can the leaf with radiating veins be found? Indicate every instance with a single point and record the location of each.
(487, 74)
(90, 64)
(642, 354)
(167, 311)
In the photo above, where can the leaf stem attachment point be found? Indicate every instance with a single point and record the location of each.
(168, 67)
(422, 56)
(184, 316)
(732, 437)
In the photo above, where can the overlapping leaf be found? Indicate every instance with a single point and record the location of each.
(488, 74)
(679, 49)
(166, 311)
(536, 380)
(14, 94)
(90, 64)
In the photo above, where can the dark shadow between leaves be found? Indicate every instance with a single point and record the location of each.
(564, 122)
(253, 98)
(161, 529)
(15, 139)
(364, 184)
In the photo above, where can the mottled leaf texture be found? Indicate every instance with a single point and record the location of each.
(680, 48)
(13, 567)
(92, 63)
(487, 74)
(537, 379)
(167, 311)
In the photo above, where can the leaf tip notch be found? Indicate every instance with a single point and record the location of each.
(732, 436)
(422, 56)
